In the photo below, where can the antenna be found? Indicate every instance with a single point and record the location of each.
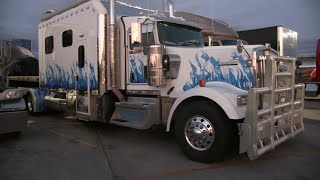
(212, 16)
(148, 7)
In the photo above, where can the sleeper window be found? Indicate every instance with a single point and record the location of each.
(49, 45)
(67, 38)
(81, 56)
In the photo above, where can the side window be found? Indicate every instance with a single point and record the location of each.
(147, 34)
(49, 45)
(81, 56)
(129, 40)
(67, 38)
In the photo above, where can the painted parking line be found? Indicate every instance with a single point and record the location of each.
(73, 138)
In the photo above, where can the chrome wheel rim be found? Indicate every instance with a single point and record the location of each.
(199, 133)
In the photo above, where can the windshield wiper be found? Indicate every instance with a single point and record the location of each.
(188, 43)
(170, 43)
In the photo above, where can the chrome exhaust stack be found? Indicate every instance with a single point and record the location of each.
(158, 65)
(171, 8)
(170, 5)
(112, 41)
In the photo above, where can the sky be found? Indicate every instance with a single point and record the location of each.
(20, 18)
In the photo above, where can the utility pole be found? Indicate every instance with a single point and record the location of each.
(5, 56)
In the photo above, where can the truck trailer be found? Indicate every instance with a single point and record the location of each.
(133, 67)
(308, 72)
(282, 39)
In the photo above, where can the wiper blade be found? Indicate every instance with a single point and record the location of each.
(188, 43)
(170, 43)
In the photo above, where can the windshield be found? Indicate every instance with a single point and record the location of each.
(179, 35)
(229, 42)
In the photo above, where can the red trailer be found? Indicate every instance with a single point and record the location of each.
(309, 72)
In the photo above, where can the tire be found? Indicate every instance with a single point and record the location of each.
(203, 131)
(29, 104)
(17, 134)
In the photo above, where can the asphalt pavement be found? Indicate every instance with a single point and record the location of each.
(54, 147)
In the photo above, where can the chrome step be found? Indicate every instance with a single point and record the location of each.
(137, 112)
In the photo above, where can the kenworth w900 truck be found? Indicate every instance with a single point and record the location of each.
(133, 67)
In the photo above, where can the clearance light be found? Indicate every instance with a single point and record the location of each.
(242, 100)
(95, 92)
(202, 82)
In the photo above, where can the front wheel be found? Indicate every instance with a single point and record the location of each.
(203, 131)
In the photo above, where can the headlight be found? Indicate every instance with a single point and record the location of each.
(13, 94)
(242, 100)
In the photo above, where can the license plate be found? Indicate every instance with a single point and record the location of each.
(311, 87)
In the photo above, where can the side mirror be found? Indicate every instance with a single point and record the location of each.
(239, 46)
(165, 63)
(135, 32)
(298, 63)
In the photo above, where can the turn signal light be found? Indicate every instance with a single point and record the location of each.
(202, 82)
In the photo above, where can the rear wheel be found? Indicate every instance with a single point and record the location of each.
(17, 134)
(29, 104)
(203, 131)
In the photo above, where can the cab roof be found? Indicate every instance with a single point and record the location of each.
(122, 9)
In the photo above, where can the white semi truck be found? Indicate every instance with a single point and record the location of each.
(133, 67)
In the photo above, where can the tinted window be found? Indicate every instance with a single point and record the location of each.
(179, 35)
(81, 56)
(147, 34)
(129, 33)
(67, 38)
(229, 42)
(49, 45)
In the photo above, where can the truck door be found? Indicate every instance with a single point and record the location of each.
(82, 84)
(137, 55)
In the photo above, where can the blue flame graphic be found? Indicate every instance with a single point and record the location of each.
(59, 76)
(208, 68)
(136, 70)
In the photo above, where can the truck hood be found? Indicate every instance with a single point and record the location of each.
(223, 64)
